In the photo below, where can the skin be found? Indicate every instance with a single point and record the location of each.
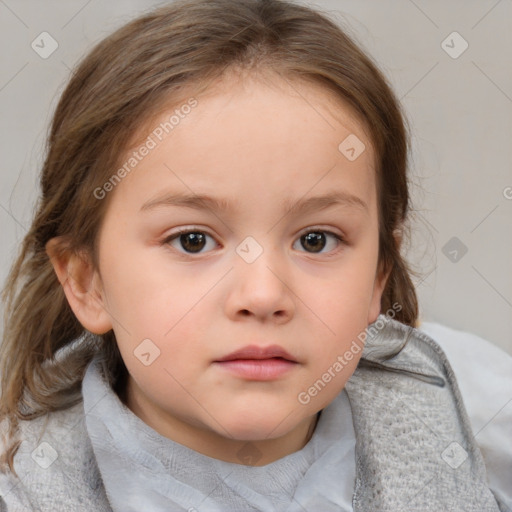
(256, 144)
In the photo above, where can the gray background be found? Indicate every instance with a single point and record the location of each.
(459, 109)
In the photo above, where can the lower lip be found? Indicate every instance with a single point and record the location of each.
(258, 369)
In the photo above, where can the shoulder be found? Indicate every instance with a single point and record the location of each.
(55, 465)
(484, 376)
(411, 423)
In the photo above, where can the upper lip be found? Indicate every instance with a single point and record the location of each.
(257, 352)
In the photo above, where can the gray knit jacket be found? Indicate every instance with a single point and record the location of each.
(414, 447)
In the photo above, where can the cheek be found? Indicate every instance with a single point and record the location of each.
(140, 291)
(149, 300)
(343, 306)
(347, 296)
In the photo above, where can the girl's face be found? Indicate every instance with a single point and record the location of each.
(281, 250)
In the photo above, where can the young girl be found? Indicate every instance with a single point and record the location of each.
(210, 311)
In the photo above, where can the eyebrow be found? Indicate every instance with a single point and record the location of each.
(303, 205)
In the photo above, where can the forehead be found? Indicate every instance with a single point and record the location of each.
(264, 89)
(266, 131)
(319, 104)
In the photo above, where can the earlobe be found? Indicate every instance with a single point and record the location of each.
(82, 286)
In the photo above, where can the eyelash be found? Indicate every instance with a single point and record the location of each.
(334, 252)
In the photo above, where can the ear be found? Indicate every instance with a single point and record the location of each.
(381, 280)
(378, 288)
(82, 285)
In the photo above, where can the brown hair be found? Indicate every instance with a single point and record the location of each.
(119, 85)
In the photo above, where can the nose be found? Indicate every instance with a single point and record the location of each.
(261, 290)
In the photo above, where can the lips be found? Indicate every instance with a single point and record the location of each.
(254, 363)
(256, 352)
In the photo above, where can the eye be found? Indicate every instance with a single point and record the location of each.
(195, 241)
(192, 242)
(314, 241)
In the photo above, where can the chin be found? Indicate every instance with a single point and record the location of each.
(260, 427)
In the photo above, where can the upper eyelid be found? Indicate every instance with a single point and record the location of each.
(308, 229)
(321, 229)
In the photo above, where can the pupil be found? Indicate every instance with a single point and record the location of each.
(315, 240)
(192, 242)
